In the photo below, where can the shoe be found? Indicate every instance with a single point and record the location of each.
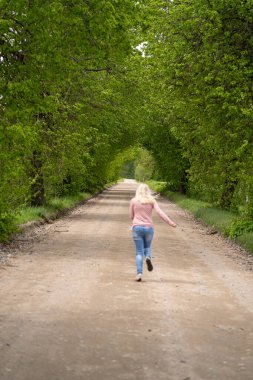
(138, 277)
(149, 264)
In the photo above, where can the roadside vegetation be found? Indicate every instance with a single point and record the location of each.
(225, 222)
(51, 210)
(92, 91)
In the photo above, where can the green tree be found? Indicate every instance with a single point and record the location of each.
(63, 89)
(199, 59)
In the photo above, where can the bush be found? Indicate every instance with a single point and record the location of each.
(239, 227)
(246, 241)
(7, 227)
(157, 186)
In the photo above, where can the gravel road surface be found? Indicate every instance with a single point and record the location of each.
(70, 308)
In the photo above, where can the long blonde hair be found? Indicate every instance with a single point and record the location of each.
(143, 194)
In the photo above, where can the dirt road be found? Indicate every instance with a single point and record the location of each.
(72, 310)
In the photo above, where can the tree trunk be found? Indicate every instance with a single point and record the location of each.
(37, 186)
(228, 193)
(183, 183)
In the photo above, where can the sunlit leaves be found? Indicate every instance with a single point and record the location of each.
(201, 60)
(64, 83)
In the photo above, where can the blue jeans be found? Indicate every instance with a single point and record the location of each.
(142, 237)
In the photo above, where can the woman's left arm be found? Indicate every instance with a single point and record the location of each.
(163, 216)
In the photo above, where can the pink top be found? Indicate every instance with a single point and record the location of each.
(141, 214)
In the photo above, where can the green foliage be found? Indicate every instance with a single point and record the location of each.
(51, 210)
(144, 166)
(193, 205)
(68, 96)
(239, 227)
(211, 216)
(7, 227)
(199, 65)
(117, 165)
(225, 222)
(157, 186)
(84, 85)
(134, 162)
(31, 213)
(246, 240)
(65, 203)
(217, 218)
(128, 170)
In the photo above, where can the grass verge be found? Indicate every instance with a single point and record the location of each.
(13, 223)
(220, 220)
(246, 241)
(54, 207)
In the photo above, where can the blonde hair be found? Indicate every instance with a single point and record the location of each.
(143, 194)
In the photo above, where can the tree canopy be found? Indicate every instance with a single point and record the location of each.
(84, 83)
(200, 69)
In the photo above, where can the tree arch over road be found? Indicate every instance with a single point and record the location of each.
(77, 91)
